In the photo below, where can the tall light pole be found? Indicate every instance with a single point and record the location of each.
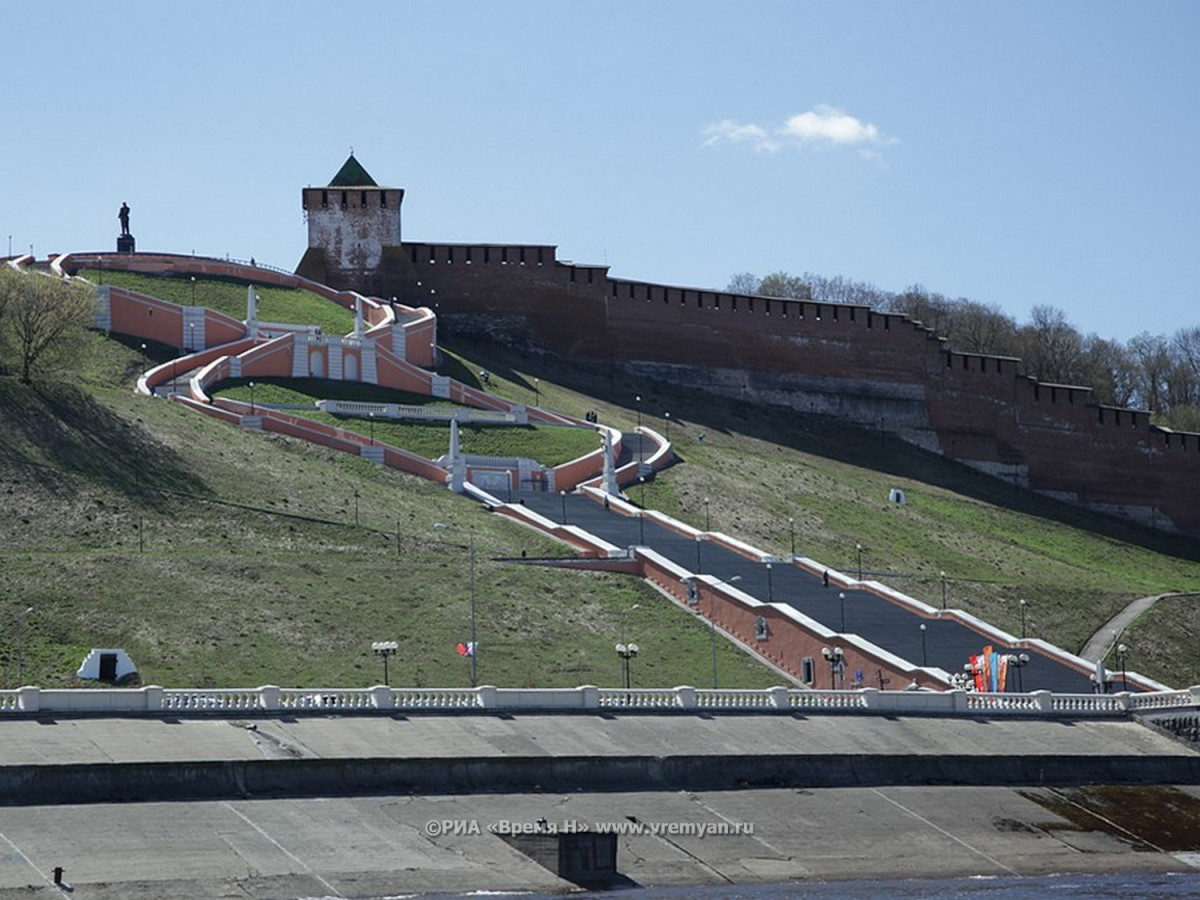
(842, 604)
(707, 520)
(537, 392)
(563, 495)
(667, 417)
(371, 423)
(699, 567)
(943, 575)
(858, 547)
(712, 634)
(385, 649)
(642, 512)
(770, 587)
(21, 645)
(474, 639)
(252, 398)
(638, 399)
(924, 650)
(1021, 603)
(792, 534)
(474, 654)
(1122, 652)
(625, 616)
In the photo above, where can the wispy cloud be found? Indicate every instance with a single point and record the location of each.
(823, 125)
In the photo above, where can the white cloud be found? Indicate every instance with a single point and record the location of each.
(729, 132)
(821, 126)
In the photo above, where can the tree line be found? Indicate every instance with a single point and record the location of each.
(44, 323)
(1152, 372)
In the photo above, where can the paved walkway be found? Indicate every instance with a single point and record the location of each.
(1100, 644)
(944, 643)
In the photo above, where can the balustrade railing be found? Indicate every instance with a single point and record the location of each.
(269, 699)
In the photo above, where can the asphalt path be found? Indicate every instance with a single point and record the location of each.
(943, 643)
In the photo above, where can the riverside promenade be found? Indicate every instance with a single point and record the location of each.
(399, 803)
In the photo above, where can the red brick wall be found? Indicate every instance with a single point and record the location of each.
(876, 369)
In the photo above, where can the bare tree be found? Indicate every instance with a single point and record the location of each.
(781, 284)
(1051, 348)
(982, 328)
(743, 283)
(45, 322)
(1151, 354)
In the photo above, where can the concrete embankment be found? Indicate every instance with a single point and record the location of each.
(242, 779)
(65, 760)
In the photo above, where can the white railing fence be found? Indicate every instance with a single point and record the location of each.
(271, 699)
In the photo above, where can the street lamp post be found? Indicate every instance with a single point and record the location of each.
(474, 654)
(252, 398)
(1122, 652)
(625, 616)
(924, 648)
(842, 604)
(193, 290)
(627, 652)
(1018, 661)
(792, 534)
(699, 566)
(474, 641)
(384, 649)
(563, 495)
(770, 586)
(943, 575)
(24, 618)
(1021, 603)
(707, 520)
(371, 424)
(667, 418)
(834, 658)
(537, 392)
(858, 547)
(642, 511)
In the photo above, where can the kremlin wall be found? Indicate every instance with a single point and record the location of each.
(879, 370)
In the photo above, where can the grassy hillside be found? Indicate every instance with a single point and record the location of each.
(222, 557)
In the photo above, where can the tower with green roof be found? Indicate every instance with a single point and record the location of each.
(352, 222)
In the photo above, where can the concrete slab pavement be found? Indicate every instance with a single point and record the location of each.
(384, 845)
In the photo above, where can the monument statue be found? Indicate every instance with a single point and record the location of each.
(123, 215)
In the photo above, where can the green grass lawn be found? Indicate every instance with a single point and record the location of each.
(548, 444)
(218, 556)
(275, 304)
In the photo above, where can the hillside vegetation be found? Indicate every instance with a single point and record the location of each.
(223, 557)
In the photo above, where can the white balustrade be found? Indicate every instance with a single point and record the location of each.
(267, 699)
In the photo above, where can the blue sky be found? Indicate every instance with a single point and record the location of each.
(1015, 153)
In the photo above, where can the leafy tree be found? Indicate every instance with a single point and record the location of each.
(43, 322)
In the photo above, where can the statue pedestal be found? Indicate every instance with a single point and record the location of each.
(126, 244)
